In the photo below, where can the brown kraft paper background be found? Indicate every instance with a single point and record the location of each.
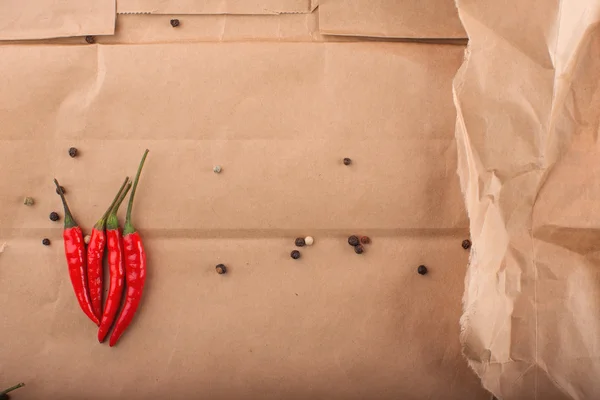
(278, 113)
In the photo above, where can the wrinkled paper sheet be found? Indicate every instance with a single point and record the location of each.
(278, 110)
(528, 103)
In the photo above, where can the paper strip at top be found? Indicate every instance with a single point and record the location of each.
(43, 19)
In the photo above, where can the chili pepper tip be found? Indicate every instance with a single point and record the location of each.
(129, 229)
(112, 221)
(10, 389)
(101, 223)
(69, 221)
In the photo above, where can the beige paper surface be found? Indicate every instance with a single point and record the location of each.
(527, 130)
(391, 18)
(278, 116)
(40, 19)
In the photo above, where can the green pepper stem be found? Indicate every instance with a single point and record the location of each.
(112, 222)
(69, 220)
(128, 225)
(10, 389)
(102, 221)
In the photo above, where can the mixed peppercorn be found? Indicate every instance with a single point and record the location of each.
(358, 242)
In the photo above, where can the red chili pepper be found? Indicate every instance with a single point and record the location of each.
(75, 252)
(115, 268)
(135, 266)
(95, 253)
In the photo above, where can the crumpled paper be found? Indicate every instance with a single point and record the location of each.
(528, 106)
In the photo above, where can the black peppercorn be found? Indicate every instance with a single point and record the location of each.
(422, 270)
(54, 216)
(300, 242)
(466, 244)
(365, 239)
(46, 242)
(221, 269)
(90, 39)
(64, 191)
(295, 254)
(73, 152)
(347, 161)
(174, 23)
(358, 249)
(353, 240)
